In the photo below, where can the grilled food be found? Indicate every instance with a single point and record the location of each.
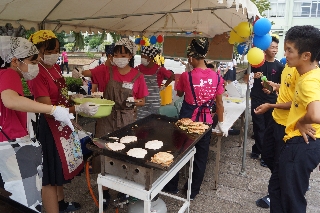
(115, 146)
(154, 144)
(137, 152)
(128, 139)
(192, 127)
(163, 158)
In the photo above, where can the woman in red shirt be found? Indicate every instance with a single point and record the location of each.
(20, 156)
(62, 156)
(154, 75)
(118, 83)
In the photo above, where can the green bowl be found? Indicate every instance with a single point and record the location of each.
(105, 106)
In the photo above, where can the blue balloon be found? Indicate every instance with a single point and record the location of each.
(188, 33)
(283, 61)
(262, 42)
(153, 40)
(243, 48)
(262, 26)
(137, 41)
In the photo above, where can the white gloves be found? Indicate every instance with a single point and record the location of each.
(223, 129)
(62, 114)
(76, 74)
(88, 108)
(162, 88)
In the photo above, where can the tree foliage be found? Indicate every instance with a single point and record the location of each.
(262, 5)
(61, 36)
(115, 37)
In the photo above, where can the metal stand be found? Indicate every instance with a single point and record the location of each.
(138, 190)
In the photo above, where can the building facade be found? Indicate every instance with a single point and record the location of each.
(288, 13)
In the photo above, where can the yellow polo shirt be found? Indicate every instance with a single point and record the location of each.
(307, 90)
(286, 92)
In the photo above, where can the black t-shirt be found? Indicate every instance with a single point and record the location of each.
(272, 70)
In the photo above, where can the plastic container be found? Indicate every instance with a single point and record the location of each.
(166, 95)
(105, 106)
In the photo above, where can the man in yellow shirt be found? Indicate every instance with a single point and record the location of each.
(273, 137)
(301, 153)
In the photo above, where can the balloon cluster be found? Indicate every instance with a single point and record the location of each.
(261, 40)
(145, 41)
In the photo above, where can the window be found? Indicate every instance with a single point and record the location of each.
(278, 8)
(306, 8)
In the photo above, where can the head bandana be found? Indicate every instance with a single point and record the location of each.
(128, 44)
(41, 35)
(198, 48)
(18, 47)
(150, 51)
(109, 49)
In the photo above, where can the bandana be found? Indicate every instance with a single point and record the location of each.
(128, 44)
(41, 35)
(18, 47)
(198, 48)
(150, 51)
(109, 49)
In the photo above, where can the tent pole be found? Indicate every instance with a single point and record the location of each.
(243, 167)
(246, 124)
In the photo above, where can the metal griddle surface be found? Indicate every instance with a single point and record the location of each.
(153, 127)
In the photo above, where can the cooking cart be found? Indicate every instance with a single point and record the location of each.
(141, 178)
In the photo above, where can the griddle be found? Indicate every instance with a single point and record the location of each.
(153, 127)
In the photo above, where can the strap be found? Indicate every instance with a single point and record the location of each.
(135, 78)
(111, 73)
(158, 70)
(5, 135)
(192, 88)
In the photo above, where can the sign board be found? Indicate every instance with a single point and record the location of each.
(220, 49)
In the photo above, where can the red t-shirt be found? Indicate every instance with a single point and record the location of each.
(162, 73)
(205, 87)
(101, 76)
(13, 123)
(44, 86)
(65, 56)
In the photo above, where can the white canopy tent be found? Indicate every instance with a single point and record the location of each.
(168, 17)
(132, 17)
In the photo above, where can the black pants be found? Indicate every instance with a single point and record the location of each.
(65, 64)
(290, 178)
(272, 143)
(199, 166)
(260, 123)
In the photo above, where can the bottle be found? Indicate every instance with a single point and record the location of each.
(89, 87)
(265, 83)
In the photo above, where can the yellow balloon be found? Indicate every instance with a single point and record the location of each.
(231, 41)
(244, 29)
(255, 56)
(234, 36)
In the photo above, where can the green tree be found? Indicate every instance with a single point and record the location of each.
(69, 46)
(94, 42)
(78, 40)
(61, 36)
(262, 5)
(115, 37)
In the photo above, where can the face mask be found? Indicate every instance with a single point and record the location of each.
(112, 63)
(144, 61)
(50, 59)
(33, 71)
(121, 62)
